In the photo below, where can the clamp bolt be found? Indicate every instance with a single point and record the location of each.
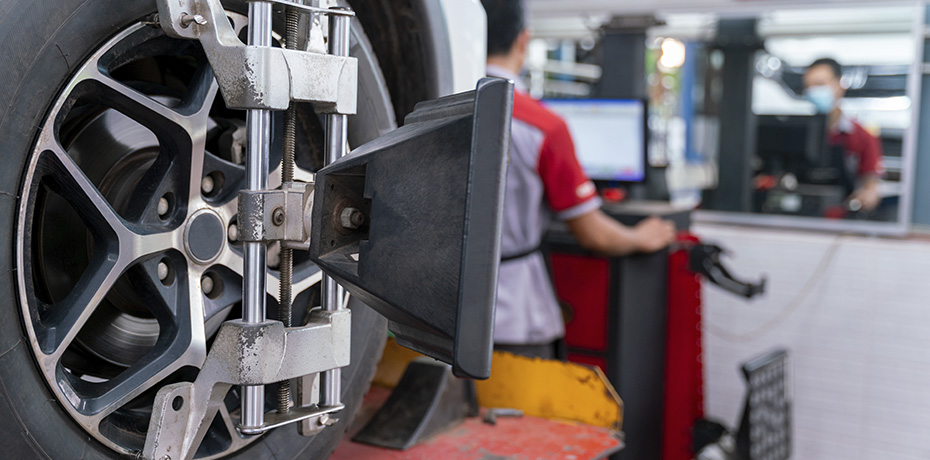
(188, 19)
(351, 218)
(277, 217)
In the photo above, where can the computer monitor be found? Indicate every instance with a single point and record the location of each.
(609, 135)
(791, 144)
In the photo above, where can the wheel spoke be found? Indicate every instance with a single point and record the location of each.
(83, 195)
(142, 245)
(181, 342)
(65, 318)
(200, 98)
(167, 123)
(181, 130)
(136, 380)
(68, 316)
(230, 209)
(116, 247)
(194, 318)
(201, 95)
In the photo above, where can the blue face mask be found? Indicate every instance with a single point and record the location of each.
(821, 97)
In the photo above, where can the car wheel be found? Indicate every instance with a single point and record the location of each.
(121, 167)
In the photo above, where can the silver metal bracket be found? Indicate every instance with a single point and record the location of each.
(277, 215)
(256, 77)
(248, 354)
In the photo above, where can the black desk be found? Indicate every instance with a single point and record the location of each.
(635, 326)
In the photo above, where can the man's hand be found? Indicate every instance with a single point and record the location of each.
(653, 234)
(867, 195)
(598, 232)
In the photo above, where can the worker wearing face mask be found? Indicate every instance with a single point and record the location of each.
(862, 151)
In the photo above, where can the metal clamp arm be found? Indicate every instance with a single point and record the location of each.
(256, 77)
(246, 354)
(277, 215)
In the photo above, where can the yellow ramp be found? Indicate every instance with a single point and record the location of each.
(542, 388)
(551, 389)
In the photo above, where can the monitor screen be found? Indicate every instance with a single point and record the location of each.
(609, 136)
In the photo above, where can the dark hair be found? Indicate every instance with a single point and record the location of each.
(831, 63)
(505, 23)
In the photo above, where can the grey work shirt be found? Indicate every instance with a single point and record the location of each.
(544, 181)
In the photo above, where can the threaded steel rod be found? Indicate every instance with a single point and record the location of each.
(285, 307)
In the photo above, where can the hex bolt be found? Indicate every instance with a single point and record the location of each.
(352, 218)
(166, 457)
(325, 420)
(188, 19)
(207, 185)
(163, 206)
(162, 271)
(277, 217)
(206, 284)
(232, 232)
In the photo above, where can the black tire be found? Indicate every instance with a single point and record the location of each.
(44, 42)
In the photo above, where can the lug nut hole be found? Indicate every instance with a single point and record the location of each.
(212, 184)
(211, 285)
(166, 205)
(177, 403)
(165, 272)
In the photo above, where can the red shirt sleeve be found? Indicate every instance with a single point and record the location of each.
(565, 183)
(870, 153)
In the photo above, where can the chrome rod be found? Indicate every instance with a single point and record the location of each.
(336, 136)
(331, 380)
(258, 123)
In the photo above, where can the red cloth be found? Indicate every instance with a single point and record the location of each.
(862, 145)
(565, 183)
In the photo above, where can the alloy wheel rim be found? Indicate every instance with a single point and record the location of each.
(134, 246)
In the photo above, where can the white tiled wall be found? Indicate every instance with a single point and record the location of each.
(858, 340)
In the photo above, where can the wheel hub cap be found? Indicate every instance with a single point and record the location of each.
(204, 236)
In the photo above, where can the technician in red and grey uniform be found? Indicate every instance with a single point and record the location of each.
(862, 150)
(544, 182)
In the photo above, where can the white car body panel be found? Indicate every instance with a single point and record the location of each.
(466, 23)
